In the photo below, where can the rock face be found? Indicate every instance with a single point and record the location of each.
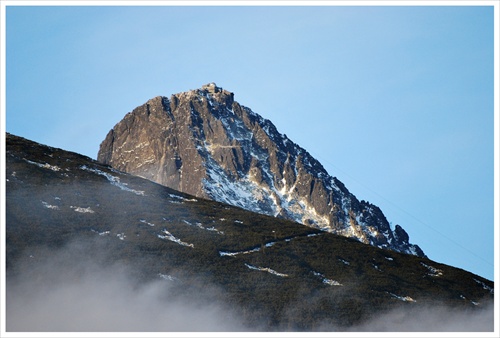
(204, 143)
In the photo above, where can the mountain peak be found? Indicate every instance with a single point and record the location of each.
(219, 94)
(211, 87)
(209, 92)
(204, 143)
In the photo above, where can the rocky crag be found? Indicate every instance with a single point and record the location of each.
(204, 143)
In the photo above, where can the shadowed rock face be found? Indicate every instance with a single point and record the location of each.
(204, 143)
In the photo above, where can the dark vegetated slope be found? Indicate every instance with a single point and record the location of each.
(276, 274)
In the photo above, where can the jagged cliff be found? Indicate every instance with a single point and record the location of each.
(202, 142)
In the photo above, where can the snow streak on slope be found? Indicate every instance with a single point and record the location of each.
(114, 180)
(170, 237)
(271, 271)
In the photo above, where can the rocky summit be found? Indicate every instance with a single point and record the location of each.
(204, 143)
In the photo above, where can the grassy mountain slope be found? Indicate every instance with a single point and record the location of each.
(274, 273)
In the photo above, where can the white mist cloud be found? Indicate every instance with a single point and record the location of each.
(431, 319)
(62, 291)
(75, 295)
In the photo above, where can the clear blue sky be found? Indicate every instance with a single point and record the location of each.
(397, 102)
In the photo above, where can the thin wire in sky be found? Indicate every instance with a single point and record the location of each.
(403, 210)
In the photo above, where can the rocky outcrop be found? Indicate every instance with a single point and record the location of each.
(204, 143)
